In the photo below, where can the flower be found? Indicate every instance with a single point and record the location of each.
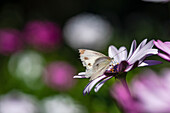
(123, 63)
(10, 41)
(42, 35)
(87, 30)
(156, 1)
(17, 102)
(165, 47)
(150, 93)
(28, 67)
(59, 75)
(61, 104)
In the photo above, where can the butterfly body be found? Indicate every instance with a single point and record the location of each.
(96, 63)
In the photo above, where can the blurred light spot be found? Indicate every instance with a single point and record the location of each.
(59, 75)
(16, 102)
(27, 66)
(156, 1)
(10, 41)
(62, 104)
(42, 35)
(87, 31)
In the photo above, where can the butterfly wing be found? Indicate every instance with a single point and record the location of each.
(96, 63)
(100, 66)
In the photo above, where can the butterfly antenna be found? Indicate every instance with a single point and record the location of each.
(119, 53)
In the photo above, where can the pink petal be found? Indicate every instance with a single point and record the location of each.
(159, 44)
(167, 44)
(164, 56)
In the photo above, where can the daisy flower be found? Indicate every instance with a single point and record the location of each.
(165, 47)
(150, 93)
(121, 63)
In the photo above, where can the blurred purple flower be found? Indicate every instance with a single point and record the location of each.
(59, 75)
(42, 35)
(10, 41)
(123, 63)
(156, 1)
(150, 94)
(165, 47)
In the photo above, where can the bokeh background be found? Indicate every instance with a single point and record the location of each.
(39, 43)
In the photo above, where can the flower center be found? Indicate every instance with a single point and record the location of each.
(114, 68)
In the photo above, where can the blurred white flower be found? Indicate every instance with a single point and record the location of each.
(16, 102)
(27, 66)
(87, 31)
(62, 104)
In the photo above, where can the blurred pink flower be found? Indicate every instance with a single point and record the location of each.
(42, 35)
(150, 93)
(10, 41)
(59, 75)
(156, 1)
(165, 47)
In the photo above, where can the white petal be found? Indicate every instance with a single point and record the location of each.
(92, 83)
(80, 76)
(99, 85)
(142, 54)
(133, 48)
(82, 73)
(113, 53)
(149, 45)
(138, 48)
(122, 53)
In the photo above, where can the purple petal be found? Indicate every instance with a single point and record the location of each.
(99, 85)
(122, 53)
(91, 84)
(159, 44)
(133, 66)
(164, 56)
(149, 63)
(133, 48)
(122, 66)
(113, 53)
(142, 54)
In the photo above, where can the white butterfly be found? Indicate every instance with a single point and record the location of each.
(96, 63)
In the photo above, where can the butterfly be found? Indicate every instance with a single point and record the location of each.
(96, 63)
